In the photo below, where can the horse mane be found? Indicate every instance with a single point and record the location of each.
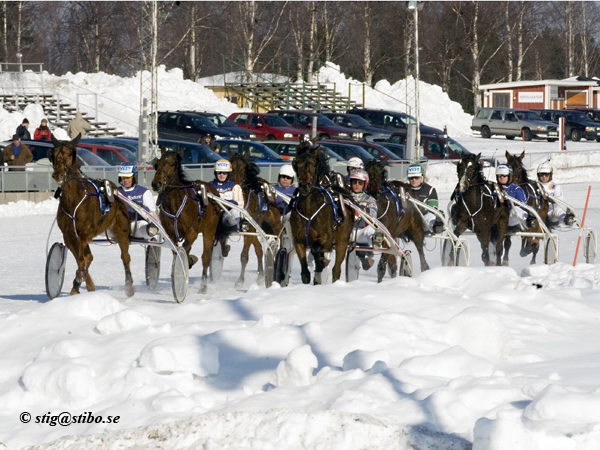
(252, 175)
(180, 172)
(478, 165)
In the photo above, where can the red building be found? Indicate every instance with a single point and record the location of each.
(543, 94)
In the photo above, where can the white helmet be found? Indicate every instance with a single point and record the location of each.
(287, 170)
(502, 169)
(222, 165)
(360, 174)
(355, 163)
(544, 168)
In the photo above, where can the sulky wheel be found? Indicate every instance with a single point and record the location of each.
(180, 275)
(152, 266)
(55, 269)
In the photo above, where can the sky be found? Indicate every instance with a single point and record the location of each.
(482, 358)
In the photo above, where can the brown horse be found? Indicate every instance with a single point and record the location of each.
(84, 213)
(260, 200)
(477, 208)
(319, 222)
(536, 198)
(399, 216)
(185, 210)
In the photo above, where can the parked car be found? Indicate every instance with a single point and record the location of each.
(358, 123)
(128, 143)
(265, 126)
(397, 149)
(434, 147)
(347, 151)
(287, 150)
(392, 120)
(302, 120)
(257, 151)
(115, 156)
(577, 124)
(592, 114)
(191, 153)
(192, 126)
(513, 122)
(375, 150)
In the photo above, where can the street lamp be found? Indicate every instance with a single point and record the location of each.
(19, 56)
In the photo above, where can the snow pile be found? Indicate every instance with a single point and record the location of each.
(26, 208)
(437, 110)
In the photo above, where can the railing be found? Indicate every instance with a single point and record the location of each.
(39, 178)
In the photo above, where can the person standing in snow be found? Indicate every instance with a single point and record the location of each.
(78, 126)
(42, 133)
(17, 154)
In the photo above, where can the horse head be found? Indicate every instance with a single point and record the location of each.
(168, 170)
(310, 165)
(515, 162)
(377, 174)
(469, 170)
(64, 159)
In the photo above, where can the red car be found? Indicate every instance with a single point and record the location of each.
(265, 126)
(112, 155)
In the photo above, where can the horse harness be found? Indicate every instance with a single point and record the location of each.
(266, 195)
(461, 198)
(200, 199)
(392, 197)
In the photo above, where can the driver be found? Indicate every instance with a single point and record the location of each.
(128, 179)
(228, 190)
(425, 194)
(285, 186)
(363, 233)
(555, 213)
(353, 164)
(517, 214)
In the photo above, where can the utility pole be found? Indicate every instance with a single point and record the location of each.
(148, 132)
(412, 79)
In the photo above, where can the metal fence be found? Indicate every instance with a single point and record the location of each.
(39, 178)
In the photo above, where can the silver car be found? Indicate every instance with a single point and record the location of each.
(513, 122)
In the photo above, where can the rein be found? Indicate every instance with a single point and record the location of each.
(175, 217)
(462, 199)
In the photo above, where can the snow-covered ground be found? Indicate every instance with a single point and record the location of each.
(455, 358)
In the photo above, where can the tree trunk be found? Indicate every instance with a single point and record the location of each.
(193, 43)
(312, 37)
(569, 38)
(509, 43)
(367, 63)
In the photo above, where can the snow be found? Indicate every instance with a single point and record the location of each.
(482, 358)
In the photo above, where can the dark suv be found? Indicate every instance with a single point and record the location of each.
(435, 147)
(191, 126)
(358, 123)
(577, 124)
(392, 120)
(302, 120)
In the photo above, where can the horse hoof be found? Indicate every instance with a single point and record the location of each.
(505, 263)
(74, 292)
(129, 291)
(193, 259)
(239, 284)
(203, 289)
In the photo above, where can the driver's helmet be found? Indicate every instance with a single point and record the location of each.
(360, 174)
(128, 170)
(414, 171)
(287, 170)
(355, 163)
(223, 165)
(545, 168)
(503, 169)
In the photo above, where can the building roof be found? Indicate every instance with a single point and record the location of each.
(518, 84)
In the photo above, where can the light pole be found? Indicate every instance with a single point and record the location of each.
(412, 89)
(19, 56)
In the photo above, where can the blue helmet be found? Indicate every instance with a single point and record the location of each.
(128, 169)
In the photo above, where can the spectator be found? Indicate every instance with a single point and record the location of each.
(78, 126)
(42, 133)
(17, 154)
(214, 145)
(23, 130)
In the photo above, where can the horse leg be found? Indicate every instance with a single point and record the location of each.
(87, 255)
(301, 252)
(419, 241)
(122, 237)
(340, 256)
(507, 244)
(74, 246)
(381, 267)
(319, 265)
(244, 261)
(485, 236)
(208, 238)
(259, 256)
(460, 228)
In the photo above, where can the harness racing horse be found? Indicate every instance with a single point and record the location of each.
(319, 221)
(84, 212)
(536, 198)
(185, 210)
(261, 204)
(478, 209)
(399, 216)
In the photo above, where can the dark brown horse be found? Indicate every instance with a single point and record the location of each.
(260, 200)
(84, 213)
(391, 203)
(319, 221)
(478, 209)
(536, 198)
(185, 210)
